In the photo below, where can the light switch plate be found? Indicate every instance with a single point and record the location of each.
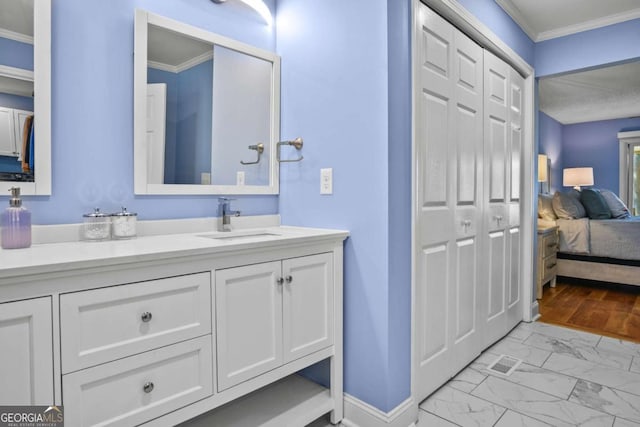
(326, 181)
(240, 178)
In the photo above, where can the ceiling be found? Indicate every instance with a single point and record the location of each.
(175, 52)
(600, 94)
(16, 16)
(610, 92)
(547, 19)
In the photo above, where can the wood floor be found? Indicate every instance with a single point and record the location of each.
(610, 310)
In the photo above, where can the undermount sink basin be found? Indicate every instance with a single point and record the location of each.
(239, 235)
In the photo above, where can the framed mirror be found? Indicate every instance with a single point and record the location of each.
(206, 111)
(25, 96)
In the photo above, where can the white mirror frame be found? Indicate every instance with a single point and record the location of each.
(42, 103)
(141, 184)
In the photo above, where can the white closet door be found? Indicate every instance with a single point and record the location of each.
(448, 151)
(514, 297)
(503, 147)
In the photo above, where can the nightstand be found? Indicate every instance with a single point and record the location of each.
(547, 258)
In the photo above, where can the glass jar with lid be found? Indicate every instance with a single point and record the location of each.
(124, 224)
(96, 226)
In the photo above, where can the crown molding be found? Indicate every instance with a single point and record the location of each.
(183, 66)
(517, 16)
(588, 25)
(19, 37)
(536, 36)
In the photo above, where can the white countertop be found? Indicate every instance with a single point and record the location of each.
(54, 257)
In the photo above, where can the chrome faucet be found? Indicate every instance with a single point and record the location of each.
(225, 213)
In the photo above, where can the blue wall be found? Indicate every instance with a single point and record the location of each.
(195, 109)
(614, 43)
(550, 135)
(334, 80)
(16, 101)
(492, 15)
(351, 100)
(595, 144)
(16, 54)
(92, 107)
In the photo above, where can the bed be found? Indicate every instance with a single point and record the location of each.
(605, 250)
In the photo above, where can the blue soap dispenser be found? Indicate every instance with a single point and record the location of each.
(15, 223)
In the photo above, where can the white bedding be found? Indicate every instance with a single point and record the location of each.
(611, 238)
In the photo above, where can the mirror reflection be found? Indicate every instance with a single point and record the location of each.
(211, 112)
(17, 137)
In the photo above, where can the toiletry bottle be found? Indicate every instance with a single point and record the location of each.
(15, 223)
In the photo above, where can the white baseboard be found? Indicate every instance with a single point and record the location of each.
(535, 311)
(360, 414)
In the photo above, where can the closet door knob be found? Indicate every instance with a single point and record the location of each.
(146, 317)
(289, 279)
(148, 387)
(280, 281)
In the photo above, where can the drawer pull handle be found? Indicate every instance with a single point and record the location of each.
(148, 387)
(280, 281)
(146, 317)
(552, 245)
(289, 279)
(549, 267)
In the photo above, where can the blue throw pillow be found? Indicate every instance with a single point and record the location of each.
(595, 205)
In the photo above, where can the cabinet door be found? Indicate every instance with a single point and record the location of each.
(307, 305)
(26, 353)
(248, 322)
(7, 134)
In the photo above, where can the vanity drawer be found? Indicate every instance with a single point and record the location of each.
(102, 325)
(136, 389)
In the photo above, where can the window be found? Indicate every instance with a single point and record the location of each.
(630, 170)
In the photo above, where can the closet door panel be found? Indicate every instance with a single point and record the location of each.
(496, 144)
(434, 302)
(496, 295)
(514, 271)
(515, 118)
(496, 210)
(435, 205)
(465, 335)
(466, 280)
(448, 153)
(435, 153)
(514, 302)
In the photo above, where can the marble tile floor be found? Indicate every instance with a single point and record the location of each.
(566, 378)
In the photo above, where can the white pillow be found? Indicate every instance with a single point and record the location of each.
(566, 206)
(545, 207)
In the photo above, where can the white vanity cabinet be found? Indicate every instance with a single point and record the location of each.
(26, 353)
(165, 330)
(272, 313)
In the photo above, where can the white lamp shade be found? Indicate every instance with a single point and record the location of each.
(575, 177)
(542, 168)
